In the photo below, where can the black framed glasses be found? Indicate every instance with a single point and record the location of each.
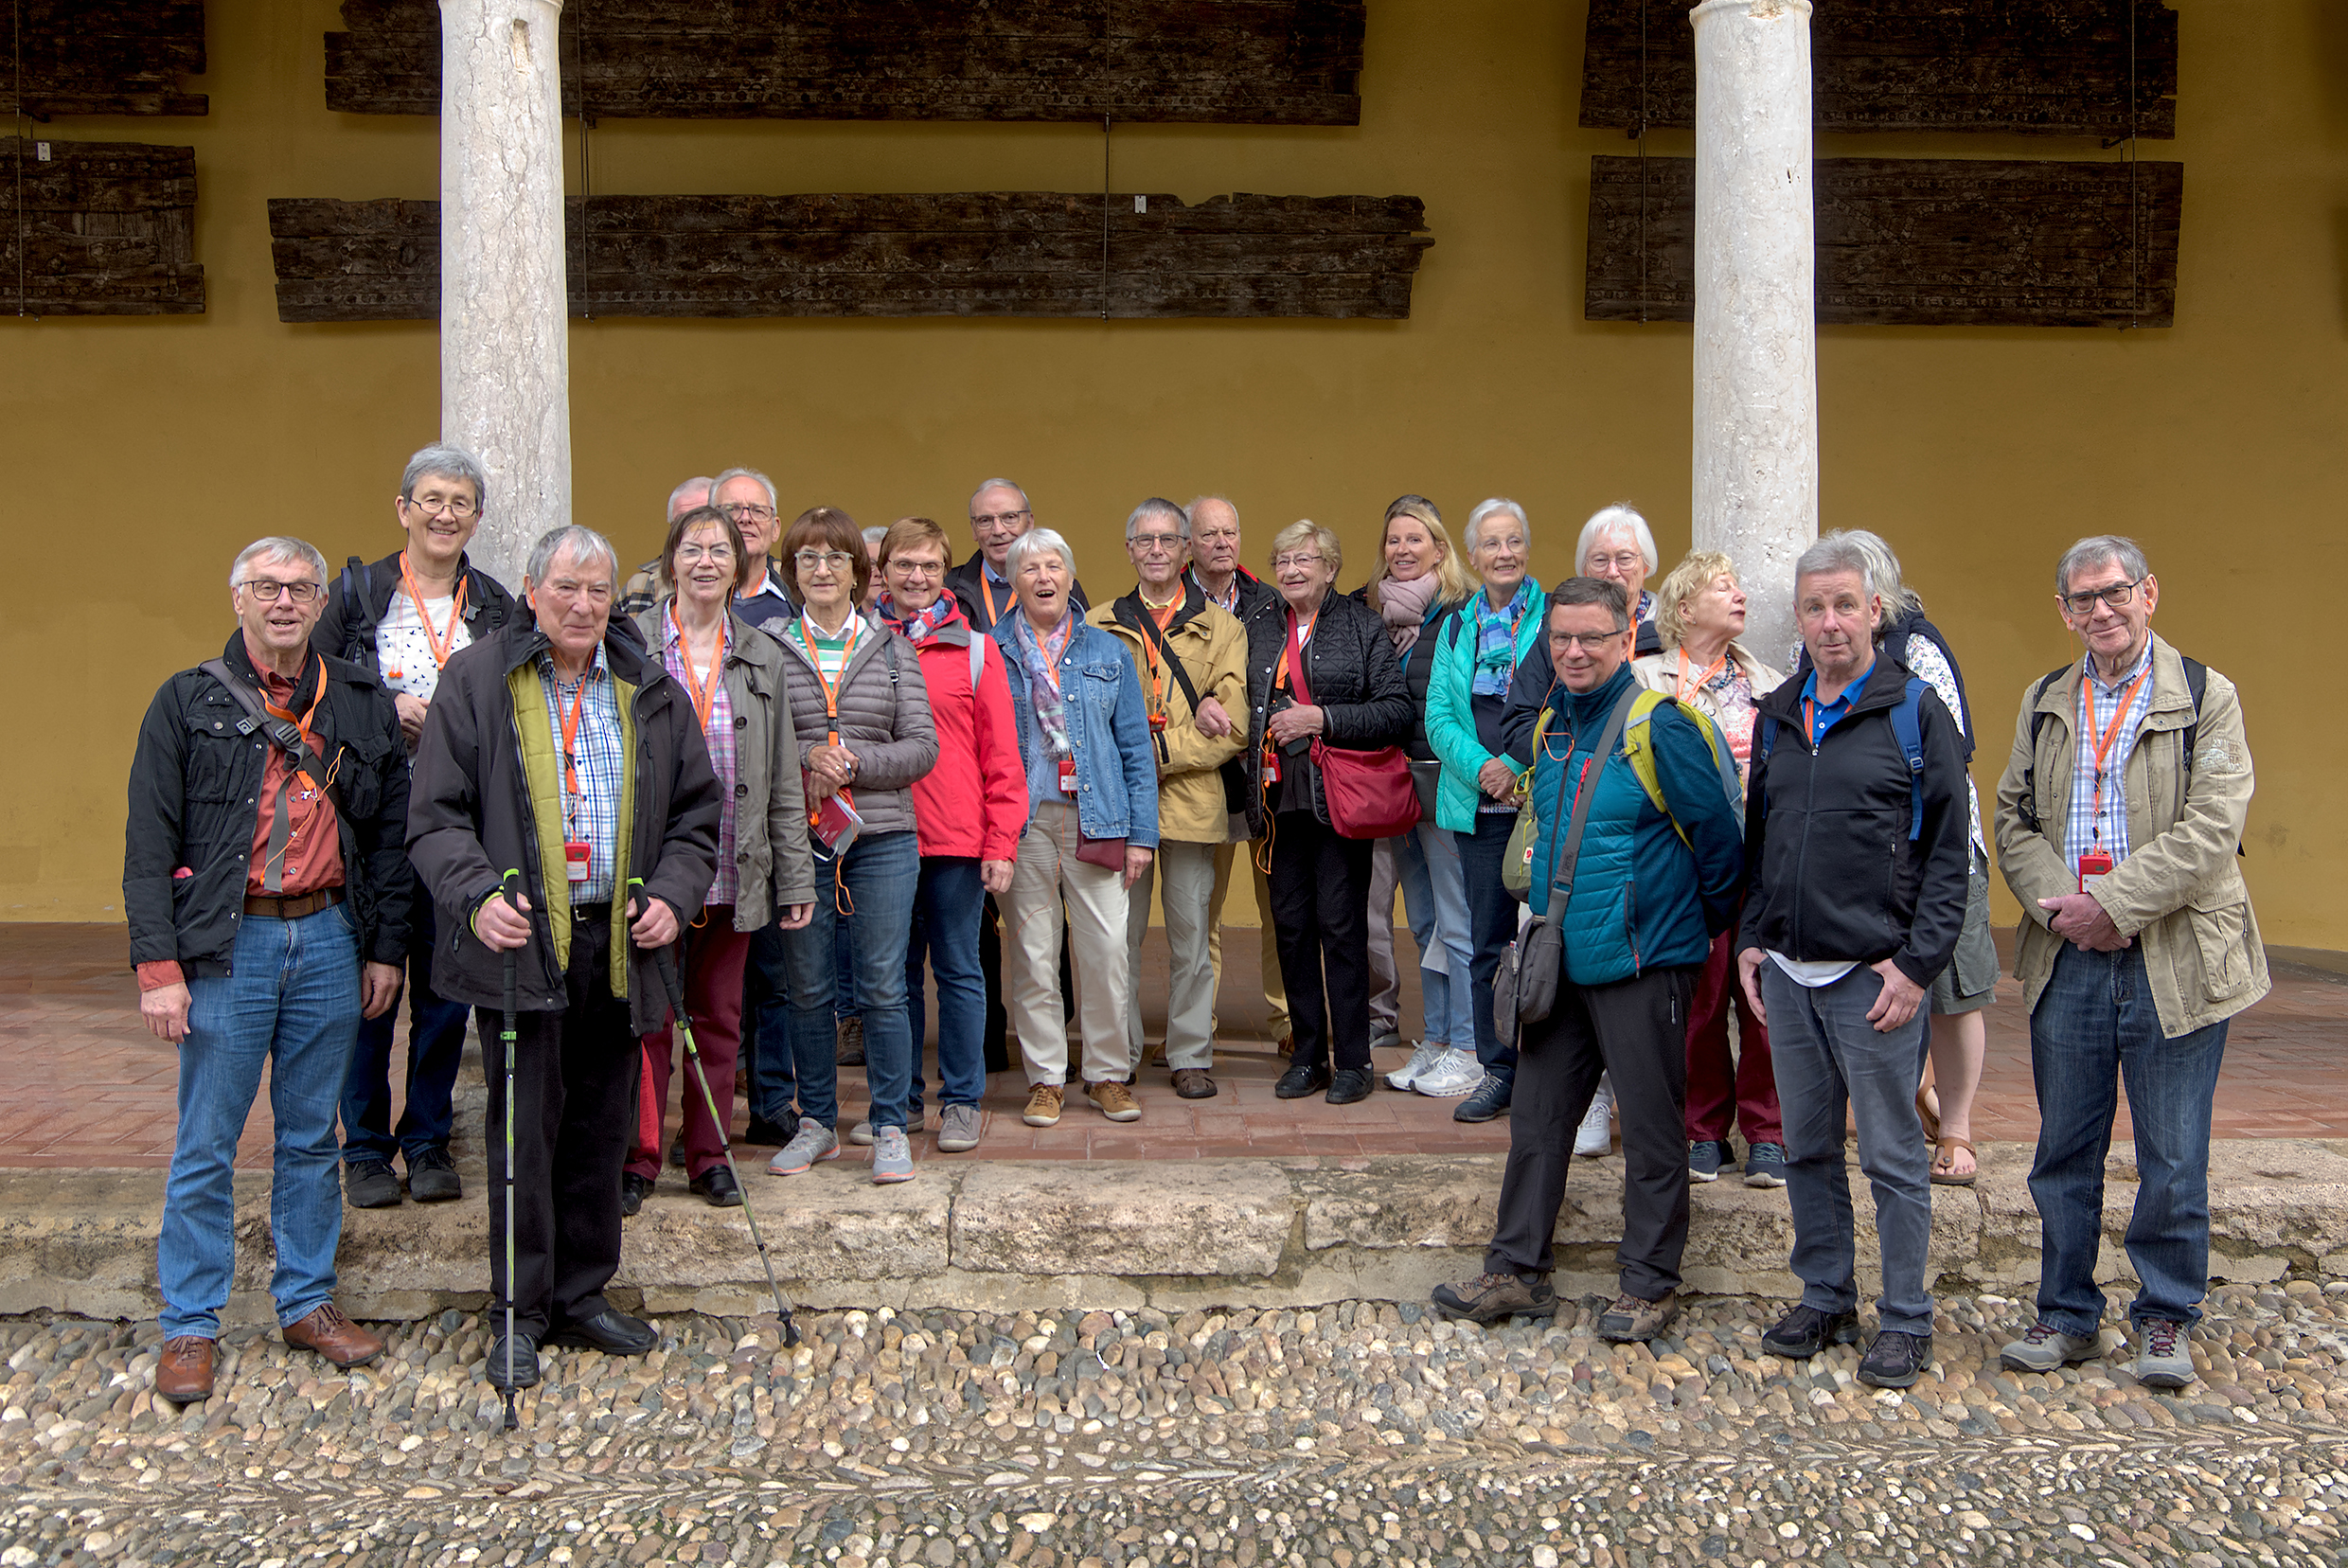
(267, 590)
(2117, 595)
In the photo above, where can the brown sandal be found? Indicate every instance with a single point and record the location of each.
(1929, 1117)
(1942, 1177)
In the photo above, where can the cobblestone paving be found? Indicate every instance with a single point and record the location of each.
(1359, 1434)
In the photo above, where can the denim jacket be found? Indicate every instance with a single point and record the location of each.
(1108, 727)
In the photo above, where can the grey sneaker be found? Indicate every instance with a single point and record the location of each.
(860, 1134)
(892, 1155)
(1454, 1075)
(813, 1142)
(1595, 1136)
(957, 1130)
(2044, 1347)
(1421, 1060)
(2161, 1358)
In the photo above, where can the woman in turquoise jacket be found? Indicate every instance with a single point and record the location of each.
(1476, 655)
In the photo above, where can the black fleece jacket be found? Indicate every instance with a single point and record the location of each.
(1350, 670)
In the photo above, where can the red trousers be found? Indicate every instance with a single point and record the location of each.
(1716, 1084)
(715, 954)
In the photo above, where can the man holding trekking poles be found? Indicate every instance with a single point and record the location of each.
(564, 814)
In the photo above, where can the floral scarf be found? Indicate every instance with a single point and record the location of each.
(1403, 607)
(1042, 694)
(919, 627)
(1496, 641)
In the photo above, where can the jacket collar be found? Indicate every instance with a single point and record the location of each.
(239, 659)
(1886, 684)
(1128, 611)
(625, 657)
(2170, 694)
(384, 584)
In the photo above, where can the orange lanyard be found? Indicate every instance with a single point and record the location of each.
(1165, 617)
(2111, 733)
(704, 698)
(569, 732)
(441, 646)
(1302, 634)
(987, 586)
(1701, 681)
(1054, 643)
(302, 722)
(831, 688)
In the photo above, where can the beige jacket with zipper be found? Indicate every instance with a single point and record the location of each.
(1213, 647)
(2179, 894)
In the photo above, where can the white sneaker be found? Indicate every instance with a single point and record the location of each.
(1595, 1136)
(1425, 1057)
(1457, 1074)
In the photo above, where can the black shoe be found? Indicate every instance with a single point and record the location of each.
(634, 1190)
(1488, 1298)
(432, 1177)
(1349, 1086)
(676, 1153)
(1302, 1079)
(612, 1331)
(1896, 1359)
(1489, 1100)
(1805, 1331)
(520, 1371)
(370, 1183)
(717, 1187)
(767, 1135)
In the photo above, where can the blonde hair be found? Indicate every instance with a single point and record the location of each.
(1694, 574)
(1453, 581)
(1324, 539)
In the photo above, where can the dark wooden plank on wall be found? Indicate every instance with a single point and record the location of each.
(1917, 242)
(100, 57)
(1238, 61)
(100, 228)
(979, 254)
(2059, 67)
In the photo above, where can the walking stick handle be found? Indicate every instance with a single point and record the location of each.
(663, 959)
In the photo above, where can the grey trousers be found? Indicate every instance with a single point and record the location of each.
(1386, 980)
(1185, 877)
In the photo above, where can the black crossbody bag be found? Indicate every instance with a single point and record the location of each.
(1233, 775)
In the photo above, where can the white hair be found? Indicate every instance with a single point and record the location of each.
(1622, 516)
(279, 547)
(772, 498)
(1037, 542)
(1000, 484)
(442, 461)
(702, 482)
(1494, 508)
(575, 540)
(2101, 550)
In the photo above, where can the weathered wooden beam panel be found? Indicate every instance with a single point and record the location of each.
(976, 254)
(100, 57)
(2058, 68)
(1238, 61)
(97, 228)
(1917, 241)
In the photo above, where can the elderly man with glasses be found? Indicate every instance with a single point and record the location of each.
(2120, 816)
(268, 901)
(999, 514)
(748, 498)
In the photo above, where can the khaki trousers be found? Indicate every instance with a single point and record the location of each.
(1047, 871)
(1276, 995)
(1185, 875)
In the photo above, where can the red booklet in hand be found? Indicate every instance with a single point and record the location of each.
(834, 824)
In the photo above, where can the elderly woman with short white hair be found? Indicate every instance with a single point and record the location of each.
(1091, 830)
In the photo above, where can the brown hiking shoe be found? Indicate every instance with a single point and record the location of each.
(1115, 1100)
(1488, 1298)
(1634, 1319)
(333, 1336)
(1043, 1105)
(849, 1041)
(184, 1372)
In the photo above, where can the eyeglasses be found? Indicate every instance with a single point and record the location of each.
(985, 520)
(1513, 543)
(457, 506)
(738, 511)
(2117, 595)
(1628, 561)
(1157, 542)
(688, 553)
(267, 589)
(916, 569)
(1589, 642)
(1281, 563)
(830, 560)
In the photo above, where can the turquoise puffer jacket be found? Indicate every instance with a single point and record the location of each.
(1450, 712)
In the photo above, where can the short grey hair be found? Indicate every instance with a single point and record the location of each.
(1494, 508)
(1036, 541)
(1841, 551)
(1884, 572)
(279, 547)
(772, 498)
(702, 482)
(442, 461)
(1621, 515)
(2101, 550)
(1198, 501)
(1158, 507)
(573, 539)
(874, 535)
(1000, 484)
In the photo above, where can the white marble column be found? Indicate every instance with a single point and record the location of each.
(505, 353)
(1757, 339)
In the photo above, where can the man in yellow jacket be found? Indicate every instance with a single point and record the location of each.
(1192, 657)
(2119, 817)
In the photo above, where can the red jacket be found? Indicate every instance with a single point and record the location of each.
(975, 802)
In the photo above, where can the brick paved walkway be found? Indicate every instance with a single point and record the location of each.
(83, 1085)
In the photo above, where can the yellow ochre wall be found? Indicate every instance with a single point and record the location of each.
(140, 455)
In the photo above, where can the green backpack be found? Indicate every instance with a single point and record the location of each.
(1516, 873)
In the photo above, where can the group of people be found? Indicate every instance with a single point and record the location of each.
(824, 768)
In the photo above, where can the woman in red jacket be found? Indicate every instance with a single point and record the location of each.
(969, 809)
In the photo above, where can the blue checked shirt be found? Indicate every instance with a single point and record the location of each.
(593, 814)
(2080, 833)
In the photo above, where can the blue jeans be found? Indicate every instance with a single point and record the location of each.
(766, 1025)
(1434, 897)
(1828, 1055)
(436, 1048)
(1491, 926)
(844, 1005)
(2094, 1024)
(293, 1003)
(947, 904)
(877, 877)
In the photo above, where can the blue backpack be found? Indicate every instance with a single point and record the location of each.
(1907, 724)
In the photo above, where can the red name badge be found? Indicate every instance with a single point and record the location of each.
(1271, 766)
(2094, 867)
(577, 859)
(1068, 775)
(1157, 724)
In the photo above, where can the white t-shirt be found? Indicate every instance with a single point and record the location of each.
(1813, 972)
(404, 652)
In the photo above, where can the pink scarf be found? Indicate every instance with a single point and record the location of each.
(1403, 605)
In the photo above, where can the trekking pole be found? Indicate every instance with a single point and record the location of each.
(513, 1421)
(665, 960)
